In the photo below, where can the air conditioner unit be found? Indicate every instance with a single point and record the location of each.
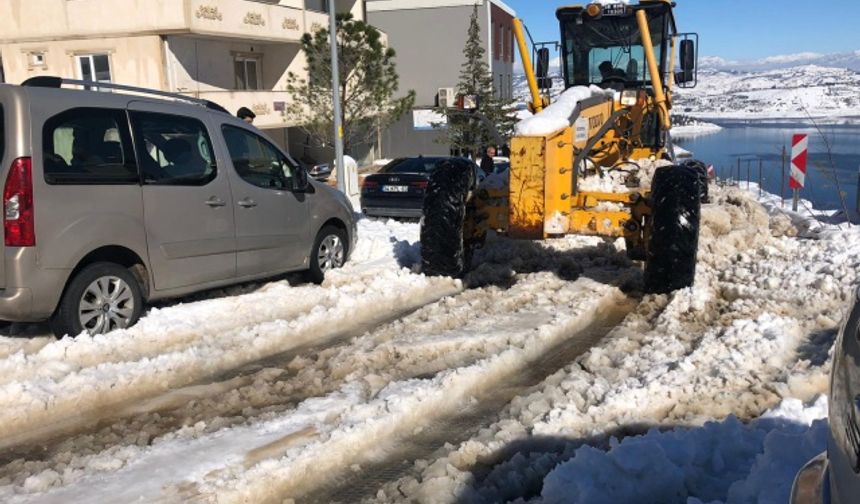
(447, 97)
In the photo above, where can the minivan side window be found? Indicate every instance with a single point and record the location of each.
(86, 146)
(257, 161)
(173, 150)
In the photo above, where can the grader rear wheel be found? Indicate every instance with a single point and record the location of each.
(444, 248)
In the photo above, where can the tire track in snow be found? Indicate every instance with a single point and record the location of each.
(453, 336)
(394, 412)
(363, 482)
(42, 400)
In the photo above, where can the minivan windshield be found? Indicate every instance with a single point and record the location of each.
(411, 165)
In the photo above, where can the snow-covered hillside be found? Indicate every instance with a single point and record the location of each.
(786, 93)
(796, 92)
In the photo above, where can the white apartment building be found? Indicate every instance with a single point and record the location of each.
(236, 53)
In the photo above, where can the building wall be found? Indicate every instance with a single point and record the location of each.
(137, 61)
(503, 53)
(196, 64)
(429, 37)
(429, 43)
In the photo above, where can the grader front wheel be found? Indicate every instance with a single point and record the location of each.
(445, 250)
(676, 212)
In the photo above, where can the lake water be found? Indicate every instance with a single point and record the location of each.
(825, 173)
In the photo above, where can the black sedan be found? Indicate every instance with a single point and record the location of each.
(397, 190)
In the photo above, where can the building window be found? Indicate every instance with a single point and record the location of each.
(317, 5)
(247, 72)
(94, 68)
(36, 59)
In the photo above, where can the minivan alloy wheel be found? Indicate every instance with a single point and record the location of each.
(106, 304)
(331, 253)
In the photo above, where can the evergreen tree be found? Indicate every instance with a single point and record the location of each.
(368, 82)
(492, 123)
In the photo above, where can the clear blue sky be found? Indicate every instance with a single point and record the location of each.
(739, 29)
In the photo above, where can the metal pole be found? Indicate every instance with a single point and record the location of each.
(858, 190)
(335, 91)
(795, 200)
(782, 182)
(739, 172)
(759, 178)
(749, 167)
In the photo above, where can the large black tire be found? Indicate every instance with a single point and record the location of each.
(670, 262)
(124, 311)
(702, 171)
(330, 251)
(444, 251)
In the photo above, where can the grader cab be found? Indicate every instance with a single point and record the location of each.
(618, 64)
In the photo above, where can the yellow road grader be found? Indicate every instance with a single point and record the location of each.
(629, 51)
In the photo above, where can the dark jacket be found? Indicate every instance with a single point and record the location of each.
(487, 164)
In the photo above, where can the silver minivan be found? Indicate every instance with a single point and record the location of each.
(113, 199)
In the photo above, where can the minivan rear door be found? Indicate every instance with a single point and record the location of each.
(188, 207)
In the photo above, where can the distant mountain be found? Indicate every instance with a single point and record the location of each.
(850, 61)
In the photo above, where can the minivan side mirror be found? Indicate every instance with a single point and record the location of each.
(542, 70)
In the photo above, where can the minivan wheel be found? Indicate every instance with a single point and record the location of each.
(101, 298)
(329, 252)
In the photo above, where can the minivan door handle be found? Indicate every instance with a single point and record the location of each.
(215, 202)
(247, 203)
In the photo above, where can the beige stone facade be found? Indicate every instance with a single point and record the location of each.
(234, 52)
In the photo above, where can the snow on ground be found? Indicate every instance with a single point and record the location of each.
(695, 130)
(754, 331)
(255, 397)
(757, 461)
(176, 346)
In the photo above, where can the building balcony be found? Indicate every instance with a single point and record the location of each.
(270, 106)
(261, 20)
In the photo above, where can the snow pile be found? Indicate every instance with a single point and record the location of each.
(695, 129)
(753, 462)
(558, 115)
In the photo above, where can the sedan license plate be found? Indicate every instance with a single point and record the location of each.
(395, 188)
